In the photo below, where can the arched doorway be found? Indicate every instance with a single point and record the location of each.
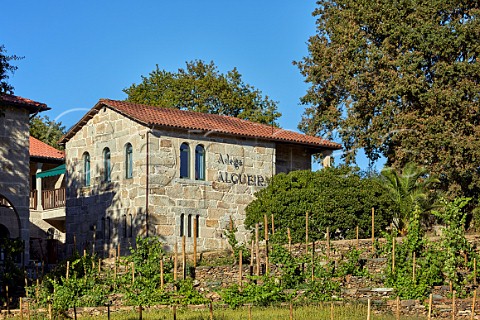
(9, 218)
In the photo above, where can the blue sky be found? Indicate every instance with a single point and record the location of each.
(77, 52)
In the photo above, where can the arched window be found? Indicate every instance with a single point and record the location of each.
(86, 169)
(128, 161)
(199, 162)
(184, 161)
(107, 169)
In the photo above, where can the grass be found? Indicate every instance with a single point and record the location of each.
(343, 312)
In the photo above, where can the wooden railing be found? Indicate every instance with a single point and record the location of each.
(33, 199)
(50, 199)
(53, 198)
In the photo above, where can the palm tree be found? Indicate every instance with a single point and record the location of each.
(409, 189)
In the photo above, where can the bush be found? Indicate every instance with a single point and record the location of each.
(338, 198)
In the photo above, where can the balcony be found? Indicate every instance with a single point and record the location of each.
(50, 199)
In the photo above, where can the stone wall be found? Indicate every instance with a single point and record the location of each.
(14, 169)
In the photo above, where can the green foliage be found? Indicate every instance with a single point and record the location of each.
(338, 198)
(5, 69)
(350, 265)
(400, 80)
(453, 242)
(236, 246)
(202, 88)
(260, 290)
(46, 130)
(146, 258)
(83, 288)
(408, 189)
(289, 266)
(11, 274)
(187, 294)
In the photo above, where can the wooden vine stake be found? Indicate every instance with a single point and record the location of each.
(430, 303)
(393, 253)
(265, 218)
(21, 308)
(373, 229)
(195, 235)
(161, 274)
(291, 310)
(211, 310)
(175, 262)
(306, 232)
(473, 304)
(133, 273)
(368, 309)
(397, 313)
(252, 255)
(28, 310)
(184, 258)
(249, 312)
(331, 310)
(50, 316)
(257, 250)
(68, 268)
(240, 266)
(474, 271)
(313, 260)
(453, 306)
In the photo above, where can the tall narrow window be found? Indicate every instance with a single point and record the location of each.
(199, 162)
(189, 226)
(182, 222)
(128, 161)
(106, 165)
(197, 225)
(86, 169)
(184, 161)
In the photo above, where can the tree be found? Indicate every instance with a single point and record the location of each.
(337, 198)
(5, 69)
(201, 87)
(401, 80)
(409, 188)
(46, 130)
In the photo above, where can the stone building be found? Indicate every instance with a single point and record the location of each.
(47, 201)
(136, 170)
(14, 167)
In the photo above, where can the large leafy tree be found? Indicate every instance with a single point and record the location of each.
(5, 68)
(201, 87)
(337, 198)
(400, 79)
(47, 130)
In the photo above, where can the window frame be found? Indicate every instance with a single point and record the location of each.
(128, 161)
(107, 165)
(184, 161)
(200, 162)
(86, 169)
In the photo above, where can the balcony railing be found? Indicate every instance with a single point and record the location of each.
(50, 199)
(33, 199)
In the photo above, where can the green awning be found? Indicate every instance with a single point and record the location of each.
(52, 172)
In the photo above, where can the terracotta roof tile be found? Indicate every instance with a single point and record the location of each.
(40, 149)
(208, 123)
(16, 101)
